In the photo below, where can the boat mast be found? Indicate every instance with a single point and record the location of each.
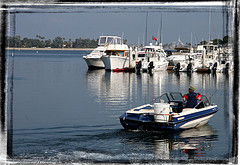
(160, 39)
(209, 25)
(191, 39)
(191, 49)
(203, 59)
(130, 57)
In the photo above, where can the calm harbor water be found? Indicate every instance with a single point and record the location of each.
(65, 113)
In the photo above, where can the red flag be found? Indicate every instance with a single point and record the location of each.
(153, 38)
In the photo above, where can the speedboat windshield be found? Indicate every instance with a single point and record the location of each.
(168, 97)
(204, 103)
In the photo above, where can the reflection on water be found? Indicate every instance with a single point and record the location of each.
(66, 113)
(140, 89)
(120, 87)
(88, 144)
(184, 145)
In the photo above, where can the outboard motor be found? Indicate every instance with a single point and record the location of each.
(227, 67)
(189, 67)
(214, 68)
(139, 66)
(150, 67)
(177, 67)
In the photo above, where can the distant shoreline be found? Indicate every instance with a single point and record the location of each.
(49, 48)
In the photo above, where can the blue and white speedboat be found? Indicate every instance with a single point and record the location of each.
(168, 113)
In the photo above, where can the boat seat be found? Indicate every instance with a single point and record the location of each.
(176, 106)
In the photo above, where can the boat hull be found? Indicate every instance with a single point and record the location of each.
(203, 70)
(161, 66)
(94, 62)
(190, 119)
(115, 63)
(158, 66)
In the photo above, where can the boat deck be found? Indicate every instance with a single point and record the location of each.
(148, 109)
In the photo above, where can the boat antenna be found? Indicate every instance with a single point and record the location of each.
(143, 39)
(191, 39)
(160, 39)
(138, 41)
(122, 37)
(209, 25)
(210, 98)
(146, 28)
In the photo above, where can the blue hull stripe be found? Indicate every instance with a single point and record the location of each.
(194, 116)
(180, 123)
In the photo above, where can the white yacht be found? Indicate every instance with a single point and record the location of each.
(224, 61)
(116, 57)
(209, 57)
(152, 57)
(93, 59)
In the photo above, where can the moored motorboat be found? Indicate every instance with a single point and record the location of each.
(117, 57)
(183, 67)
(168, 114)
(93, 59)
(152, 57)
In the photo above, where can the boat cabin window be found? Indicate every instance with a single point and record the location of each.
(141, 55)
(109, 40)
(118, 53)
(108, 53)
(121, 53)
(119, 40)
(111, 52)
(102, 41)
(114, 40)
(149, 49)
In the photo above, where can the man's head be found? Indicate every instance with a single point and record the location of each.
(191, 89)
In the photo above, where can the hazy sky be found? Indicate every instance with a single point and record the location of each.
(129, 21)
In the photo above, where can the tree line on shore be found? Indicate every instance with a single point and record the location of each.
(226, 39)
(60, 42)
(57, 42)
